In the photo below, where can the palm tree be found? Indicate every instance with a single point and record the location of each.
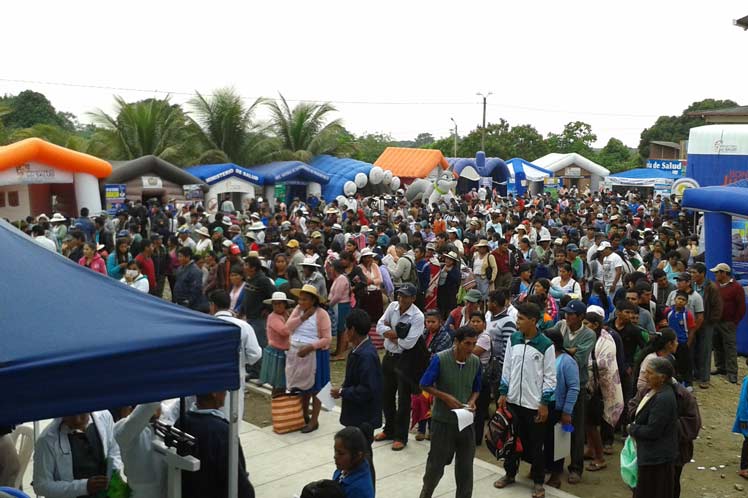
(304, 131)
(151, 126)
(228, 128)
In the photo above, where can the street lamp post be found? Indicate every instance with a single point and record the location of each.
(455, 146)
(483, 129)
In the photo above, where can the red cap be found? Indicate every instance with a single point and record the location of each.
(234, 249)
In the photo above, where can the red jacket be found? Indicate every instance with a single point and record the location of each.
(733, 301)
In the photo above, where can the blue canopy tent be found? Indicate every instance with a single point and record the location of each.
(493, 168)
(340, 170)
(295, 174)
(214, 173)
(75, 341)
(523, 171)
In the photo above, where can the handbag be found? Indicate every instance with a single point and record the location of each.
(286, 413)
(629, 467)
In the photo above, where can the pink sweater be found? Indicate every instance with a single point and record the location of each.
(340, 291)
(278, 334)
(324, 326)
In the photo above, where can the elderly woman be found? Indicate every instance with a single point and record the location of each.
(655, 430)
(371, 301)
(484, 268)
(312, 276)
(273, 370)
(309, 325)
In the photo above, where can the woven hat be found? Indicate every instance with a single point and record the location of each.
(308, 289)
(278, 296)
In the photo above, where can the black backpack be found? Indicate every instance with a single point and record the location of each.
(501, 437)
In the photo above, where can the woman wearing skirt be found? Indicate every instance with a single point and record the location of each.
(308, 373)
(273, 369)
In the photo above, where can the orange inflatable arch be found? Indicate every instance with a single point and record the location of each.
(41, 151)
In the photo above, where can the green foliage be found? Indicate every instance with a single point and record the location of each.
(151, 126)
(370, 146)
(228, 130)
(676, 128)
(30, 108)
(304, 131)
(616, 156)
(575, 137)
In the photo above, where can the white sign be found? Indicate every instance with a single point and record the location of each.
(152, 182)
(33, 173)
(573, 172)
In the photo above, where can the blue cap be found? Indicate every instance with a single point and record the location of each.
(123, 233)
(575, 306)
(184, 230)
(407, 290)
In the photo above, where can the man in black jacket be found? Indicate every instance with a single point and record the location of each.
(211, 429)
(362, 387)
(257, 289)
(188, 288)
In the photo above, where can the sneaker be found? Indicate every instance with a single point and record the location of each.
(689, 389)
(732, 378)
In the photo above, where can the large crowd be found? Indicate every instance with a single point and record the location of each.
(589, 313)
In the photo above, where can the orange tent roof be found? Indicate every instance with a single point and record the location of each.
(411, 163)
(40, 151)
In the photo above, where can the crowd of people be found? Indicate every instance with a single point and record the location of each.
(589, 312)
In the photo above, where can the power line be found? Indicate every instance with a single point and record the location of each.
(344, 102)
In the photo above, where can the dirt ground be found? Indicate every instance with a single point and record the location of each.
(715, 447)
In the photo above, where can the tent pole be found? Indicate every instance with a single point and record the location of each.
(234, 444)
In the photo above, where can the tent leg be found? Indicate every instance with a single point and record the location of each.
(36, 430)
(234, 444)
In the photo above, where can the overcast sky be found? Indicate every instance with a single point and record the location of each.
(397, 67)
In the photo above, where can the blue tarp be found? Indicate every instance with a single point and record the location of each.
(645, 173)
(340, 170)
(214, 173)
(285, 171)
(74, 340)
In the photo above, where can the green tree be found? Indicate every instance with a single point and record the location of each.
(576, 137)
(423, 139)
(30, 108)
(151, 126)
(370, 146)
(676, 128)
(616, 156)
(228, 128)
(306, 130)
(526, 142)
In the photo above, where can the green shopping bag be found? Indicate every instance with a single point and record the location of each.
(118, 488)
(629, 467)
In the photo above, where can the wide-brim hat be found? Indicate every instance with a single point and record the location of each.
(482, 243)
(226, 221)
(257, 225)
(310, 262)
(57, 217)
(308, 289)
(452, 255)
(278, 296)
(203, 231)
(366, 252)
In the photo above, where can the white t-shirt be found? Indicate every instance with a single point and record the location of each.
(484, 342)
(610, 263)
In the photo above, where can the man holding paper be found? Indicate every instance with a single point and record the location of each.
(453, 379)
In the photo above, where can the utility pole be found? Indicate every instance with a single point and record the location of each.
(455, 123)
(483, 129)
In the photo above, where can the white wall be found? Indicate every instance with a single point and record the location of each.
(87, 193)
(24, 203)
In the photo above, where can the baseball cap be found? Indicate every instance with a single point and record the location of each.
(473, 296)
(596, 310)
(125, 233)
(575, 306)
(721, 267)
(292, 243)
(316, 235)
(685, 276)
(604, 245)
(407, 290)
(234, 249)
(572, 247)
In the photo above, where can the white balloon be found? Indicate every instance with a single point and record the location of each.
(395, 183)
(361, 180)
(376, 175)
(349, 188)
(387, 177)
(341, 202)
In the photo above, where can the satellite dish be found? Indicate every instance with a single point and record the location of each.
(376, 175)
(361, 180)
(469, 173)
(387, 177)
(349, 188)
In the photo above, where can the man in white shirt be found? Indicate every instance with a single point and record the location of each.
(249, 351)
(612, 268)
(40, 238)
(401, 325)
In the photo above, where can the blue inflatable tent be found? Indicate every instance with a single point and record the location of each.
(491, 167)
(523, 171)
(340, 170)
(74, 340)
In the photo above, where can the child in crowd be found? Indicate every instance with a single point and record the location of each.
(682, 322)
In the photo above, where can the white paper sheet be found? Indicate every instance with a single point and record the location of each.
(464, 417)
(561, 443)
(324, 396)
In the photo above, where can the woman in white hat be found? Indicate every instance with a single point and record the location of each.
(273, 369)
(484, 267)
(205, 244)
(371, 301)
(59, 230)
(308, 358)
